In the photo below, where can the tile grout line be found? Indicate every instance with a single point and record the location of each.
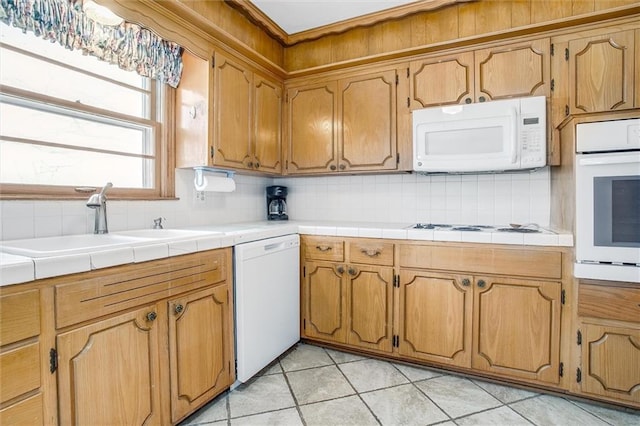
(353, 387)
(413, 383)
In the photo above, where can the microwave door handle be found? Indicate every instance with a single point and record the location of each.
(514, 135)
(597, 160)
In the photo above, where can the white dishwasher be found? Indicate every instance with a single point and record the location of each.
(267, 301)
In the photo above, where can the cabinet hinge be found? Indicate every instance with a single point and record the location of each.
(395, 341)
(286, 165)
(396, 281)
(53, 360)
(578, 375)
(408, 102)
(211, 151)
(553, 84)
(579, 338)
(397, 158)
(552, 51)
(304, 324)
(213, 61)
(397, 80)
(566, 110)
(566, 54)
(408, 73)
(563, 296)
(304, 271)
(561, 369)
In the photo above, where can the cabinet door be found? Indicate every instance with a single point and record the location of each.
(513, 70)
(517, 328)
(192, 112)
(267, 138)
(611, 362)
(324, 299)
(601, 72)
(367, 114)
(199, 349)
(232, 89)
(435, 317)
(312, 137)
(441, 80)
(108, 372)
(370, 313)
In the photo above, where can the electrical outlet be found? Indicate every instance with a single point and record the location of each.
(200, 196)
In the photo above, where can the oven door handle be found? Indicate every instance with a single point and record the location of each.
(597, 160)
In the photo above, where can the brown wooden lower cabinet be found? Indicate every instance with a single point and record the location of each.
(611, 361)
(350, 304)
(517, 328)
(200, 338)
(435, 317)
(137, 344)
(504, 326)
(109, 371)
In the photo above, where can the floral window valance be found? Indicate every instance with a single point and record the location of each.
(127, 45)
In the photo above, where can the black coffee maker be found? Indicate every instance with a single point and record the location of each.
(277, 203)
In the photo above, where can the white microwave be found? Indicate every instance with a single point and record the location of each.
(483, 137)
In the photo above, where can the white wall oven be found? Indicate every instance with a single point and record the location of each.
(608, 200)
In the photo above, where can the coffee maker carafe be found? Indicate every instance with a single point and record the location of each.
(277, 203)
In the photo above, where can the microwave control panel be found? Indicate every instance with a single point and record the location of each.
(533, 141)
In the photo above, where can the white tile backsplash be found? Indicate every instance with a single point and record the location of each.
(407, 198)
(34, 219)
(400, 198)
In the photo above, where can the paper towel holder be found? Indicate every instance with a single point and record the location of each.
(200, 181)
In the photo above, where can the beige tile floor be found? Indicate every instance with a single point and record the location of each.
(310, 385)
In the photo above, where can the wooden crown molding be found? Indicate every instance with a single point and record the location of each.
(259, 18)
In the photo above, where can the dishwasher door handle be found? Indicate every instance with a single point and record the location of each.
(273, 246)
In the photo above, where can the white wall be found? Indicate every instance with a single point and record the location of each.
(29, 219)
(490, 199)
(402, 198)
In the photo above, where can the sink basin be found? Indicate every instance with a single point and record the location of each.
(69, 244)
(167, 234)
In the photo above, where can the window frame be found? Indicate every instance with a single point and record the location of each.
(161, 121)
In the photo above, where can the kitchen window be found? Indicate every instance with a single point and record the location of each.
(70, 122)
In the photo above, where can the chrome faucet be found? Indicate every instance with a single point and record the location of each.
(99, 203)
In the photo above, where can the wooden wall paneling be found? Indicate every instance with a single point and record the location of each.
(390, 36)
(579, 7)
(356, 44)
(610, 4)
(239, 27)
(467, 19)
(549, 10)
(442, 25)
(493, 16)
(520, 13)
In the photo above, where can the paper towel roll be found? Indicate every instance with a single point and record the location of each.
(215, 184)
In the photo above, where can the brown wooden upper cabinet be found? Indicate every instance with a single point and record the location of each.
(228, 116)
(506, 71)
(343, 125)
(601, 72)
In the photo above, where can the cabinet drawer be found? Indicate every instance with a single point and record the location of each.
(371, 252)
(603, 301)
(19, 371)
(323, 248)
(516, 262)
(104, 292)
(19, 316)
(27, 412)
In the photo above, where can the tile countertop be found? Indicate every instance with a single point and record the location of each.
(19, 269)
